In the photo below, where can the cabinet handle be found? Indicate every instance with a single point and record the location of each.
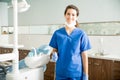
(89, 63)
(25, 53)
(5, 51)
(97, 64)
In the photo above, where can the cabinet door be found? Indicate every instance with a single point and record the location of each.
(106, 70)
(97, 69)
(23, 53)
(0, 50)
(90, 66)
(100, 69)
(116, 70)
(50, 71)
(5, 50)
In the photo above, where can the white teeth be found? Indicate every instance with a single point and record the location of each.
(71, 24)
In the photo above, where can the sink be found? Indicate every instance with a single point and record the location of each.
(97, 54)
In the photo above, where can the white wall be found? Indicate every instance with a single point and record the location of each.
(3, 14)
(30, 41)
(52, 11)
(110, 45)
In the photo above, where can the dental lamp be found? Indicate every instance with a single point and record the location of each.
(21, 5)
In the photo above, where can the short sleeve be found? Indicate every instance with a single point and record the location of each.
(53, 41)
(85, 43)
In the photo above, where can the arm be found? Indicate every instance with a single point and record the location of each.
(54, 50)
(85, 62)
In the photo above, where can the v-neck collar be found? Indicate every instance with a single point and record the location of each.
(70, 33)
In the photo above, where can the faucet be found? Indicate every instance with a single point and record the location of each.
(100, 49)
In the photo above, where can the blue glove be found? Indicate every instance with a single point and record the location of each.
(85, 77)
(54, 57)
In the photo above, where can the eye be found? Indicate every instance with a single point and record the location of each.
(68, 13)
(73, 14)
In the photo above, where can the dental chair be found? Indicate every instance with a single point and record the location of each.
(38, 57)
(33, 66)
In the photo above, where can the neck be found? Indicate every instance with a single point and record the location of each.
(70, 28)
(70, 24)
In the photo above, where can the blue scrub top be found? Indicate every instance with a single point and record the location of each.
(70, 47)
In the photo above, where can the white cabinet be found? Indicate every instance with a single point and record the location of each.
(3, 14)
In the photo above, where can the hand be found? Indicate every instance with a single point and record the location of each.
(54, 57)
(85, 76)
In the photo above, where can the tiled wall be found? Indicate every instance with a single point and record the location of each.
(102, 28)
(97, 28)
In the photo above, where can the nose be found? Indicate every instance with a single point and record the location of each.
(70, 16)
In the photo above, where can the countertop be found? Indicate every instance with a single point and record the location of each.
(107, 57)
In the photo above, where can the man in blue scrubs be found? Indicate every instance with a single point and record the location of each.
(71, 45)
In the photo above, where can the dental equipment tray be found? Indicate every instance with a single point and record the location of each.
(4, 67)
